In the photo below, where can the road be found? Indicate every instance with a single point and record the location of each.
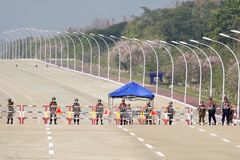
(31, 85)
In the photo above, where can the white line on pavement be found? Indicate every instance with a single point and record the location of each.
(149, 146)
(125, 129)
(133, 134)
(49, 132)
(50, 145)
(49, 137)
(160, 154)
(214, 135)
(191, 126)
(226, 140)
(140, 139)
(238, 146)
(51, 151)
(47, 128)
(202, 130)
(119, 126)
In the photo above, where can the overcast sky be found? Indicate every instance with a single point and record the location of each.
(61, 14)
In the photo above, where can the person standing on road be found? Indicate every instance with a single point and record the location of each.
(170, 111)
(123, 109)
(211, 111)
(99, 109)
(76, 110)
(53, 109)
(202, 113)
(148, 110)
(10, 111)
(226, 112)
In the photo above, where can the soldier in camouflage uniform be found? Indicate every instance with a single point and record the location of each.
(148, 110)
(99, 109)
(10, 111)
(53, 109)
(76, 109)
(123, 110)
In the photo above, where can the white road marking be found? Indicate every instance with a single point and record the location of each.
(125, 129)
(133, 134)
(226, 140)
(48, 129)
(49, 132)
(140, 139)
(50, 145)
(119, 126)
(238, 146)
(214, 135)
(149, 146)
(191, 126)
(202, 130)
(49, 137)
(51, 151)
(160, 154)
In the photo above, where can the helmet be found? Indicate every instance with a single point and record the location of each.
(99, 100)
(54, 98)
(76, 100)
(9, 100)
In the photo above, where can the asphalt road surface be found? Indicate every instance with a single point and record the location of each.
(31, 85)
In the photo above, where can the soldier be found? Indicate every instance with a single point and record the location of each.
(76, 109)
(170, 111)
(53, 109)
(10, 111)
(99, 109)
(202, 113)
(123, 109)
(148, 110)
(211, 111)
(226, 112)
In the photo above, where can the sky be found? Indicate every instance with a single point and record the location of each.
(61, 14)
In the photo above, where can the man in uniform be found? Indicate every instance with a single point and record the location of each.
(123, 109)
(202, 113)
(211, 111)
(170, 111)
(53, 109)
(226, 112)
(10, 111)
(76, 109)
(148, 110)
(99, 109)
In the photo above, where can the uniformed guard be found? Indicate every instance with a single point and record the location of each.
(99, 109)
(76, 109)
(226, 112)
(148, 110)
(202, 113)
(123, 109)
(53, 109)
(10, 111)
(171, 112)
(211, 111)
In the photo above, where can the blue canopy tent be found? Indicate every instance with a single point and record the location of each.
(131, 91)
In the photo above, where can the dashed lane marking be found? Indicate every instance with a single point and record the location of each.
(226, 140)
(160, 154)
(214, 135)
(140, 139)
(125, 129)
(51, 152)
(149, 146)
(119, 126)
(202, 130)
(131, 133)
(50, 145)
(49, 132)
(238, 146)
(49, 137)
